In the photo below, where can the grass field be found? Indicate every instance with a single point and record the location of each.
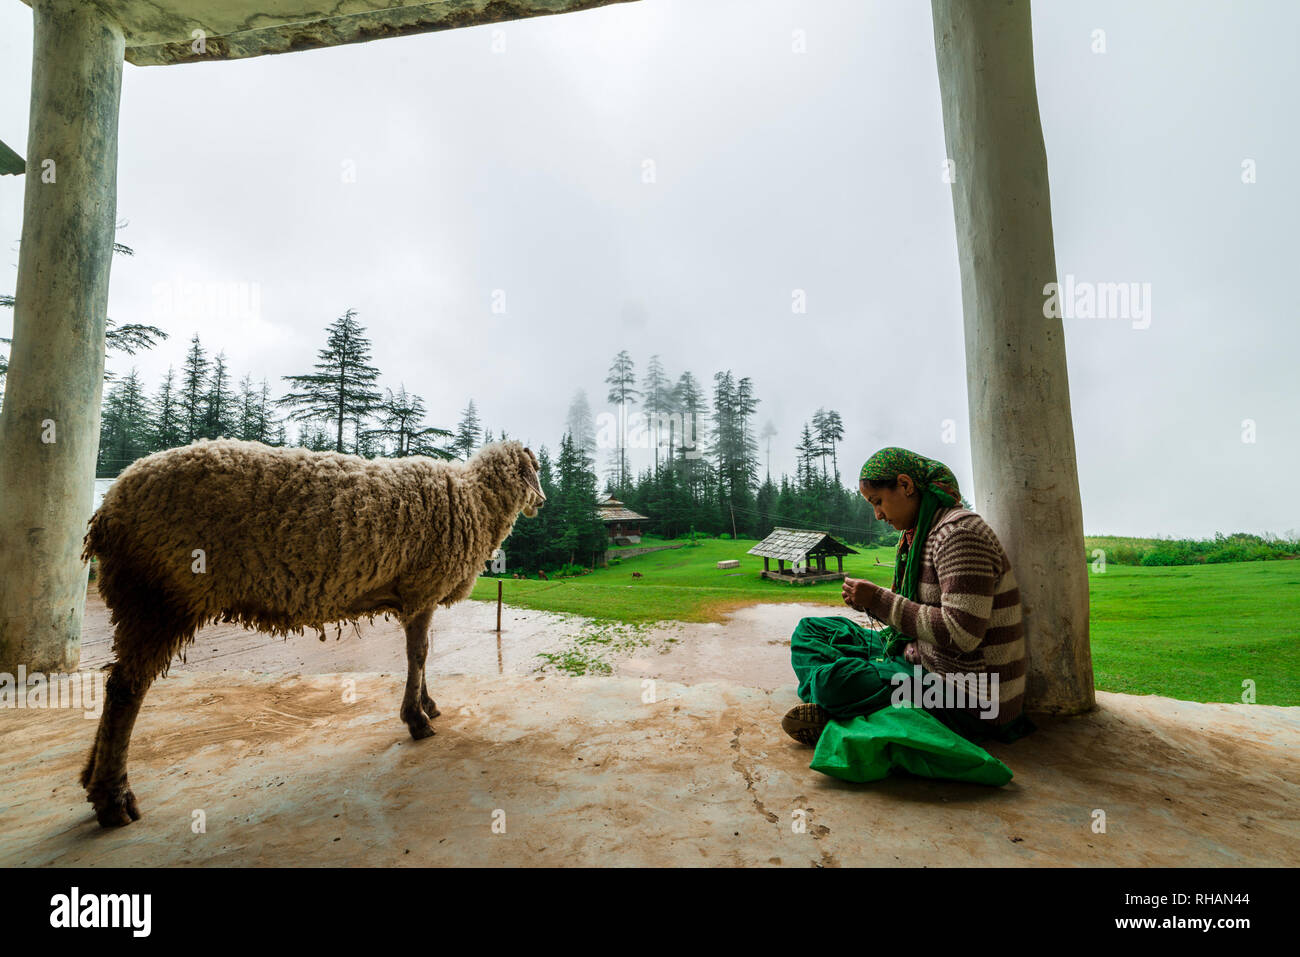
(1193, 632)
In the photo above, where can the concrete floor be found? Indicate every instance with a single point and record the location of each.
(255, 733)
(582, 771)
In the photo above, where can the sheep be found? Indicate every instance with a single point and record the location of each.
(281, 540)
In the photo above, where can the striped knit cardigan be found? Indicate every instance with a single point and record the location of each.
(968, 617)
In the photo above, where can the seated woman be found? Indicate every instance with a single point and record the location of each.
(954, 610)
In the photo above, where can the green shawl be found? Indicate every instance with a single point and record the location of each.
(938, 488)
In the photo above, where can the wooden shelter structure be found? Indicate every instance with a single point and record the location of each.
(623, 524)
(806, 551)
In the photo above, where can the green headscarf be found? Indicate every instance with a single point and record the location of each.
(938, 488)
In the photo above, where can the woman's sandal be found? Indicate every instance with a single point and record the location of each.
(804, 723)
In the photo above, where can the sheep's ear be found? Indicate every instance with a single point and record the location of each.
(530, 477)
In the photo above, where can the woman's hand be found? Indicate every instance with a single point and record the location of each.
(912, 653)
(857, 593)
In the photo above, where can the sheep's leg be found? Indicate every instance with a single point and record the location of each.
(104, 778)
(426, 703)
(417, 706)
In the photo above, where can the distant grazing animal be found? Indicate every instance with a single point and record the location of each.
(541, 576)
(636, 574)
(280, 540)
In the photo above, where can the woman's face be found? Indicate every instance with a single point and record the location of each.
(898, 506)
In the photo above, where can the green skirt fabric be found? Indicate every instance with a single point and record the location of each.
(844, 668)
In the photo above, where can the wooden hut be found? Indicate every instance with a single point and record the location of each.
(623, 524)
(806, 551)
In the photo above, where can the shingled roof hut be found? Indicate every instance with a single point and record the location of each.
(623, 524)
(807, 552)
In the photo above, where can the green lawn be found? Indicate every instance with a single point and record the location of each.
(1198, 631)
(1194, 632)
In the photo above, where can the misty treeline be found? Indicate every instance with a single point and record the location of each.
(709, 468)
(702, 476)
(337, 406)
(708, 459)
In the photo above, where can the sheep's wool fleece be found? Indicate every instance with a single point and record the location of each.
(283, 539)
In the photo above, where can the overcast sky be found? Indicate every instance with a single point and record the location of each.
(409, 179)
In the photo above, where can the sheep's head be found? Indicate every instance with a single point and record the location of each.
(530, 470)
(514, 470)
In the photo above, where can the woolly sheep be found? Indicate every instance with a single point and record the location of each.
(281, 540)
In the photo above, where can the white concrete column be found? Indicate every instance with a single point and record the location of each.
(1022, 436)
(49, 426)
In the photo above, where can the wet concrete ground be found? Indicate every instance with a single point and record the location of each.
(584, 771)
(464, 641)
(752, 648)
(307, 763)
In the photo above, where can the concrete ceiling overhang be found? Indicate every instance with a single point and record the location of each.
(161, 32)
(11, 164)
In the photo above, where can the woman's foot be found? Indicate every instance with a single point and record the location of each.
(804, 723)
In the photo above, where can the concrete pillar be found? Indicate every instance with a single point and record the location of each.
(49, 427)
(1022, 436)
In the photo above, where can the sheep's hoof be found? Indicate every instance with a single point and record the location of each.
(416, 721)
(118, 810)
(419, 731)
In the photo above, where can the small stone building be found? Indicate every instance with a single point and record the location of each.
(806, 551)
(623, 524)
